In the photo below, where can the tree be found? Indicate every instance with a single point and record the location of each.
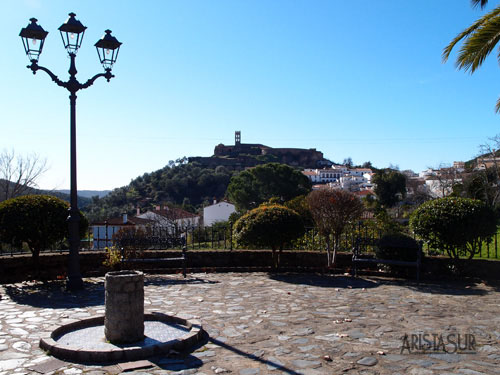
(38, 220)
(19, 174)
(479, 40)
(268, 226)
(181, 184)
(455, 225)
(418, 192)
(299, 204)
(482, 185)
(133, 240)
(348, 162)
(254, 186)
(332, 211)
(443, 182)
(482, 179)
(390, 186)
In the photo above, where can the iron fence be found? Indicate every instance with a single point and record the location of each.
(221, 238)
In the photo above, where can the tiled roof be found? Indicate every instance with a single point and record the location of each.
(309, 173)
(175, 213)
(119, 221)
(320, 187)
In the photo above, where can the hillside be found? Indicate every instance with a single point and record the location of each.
(246, 155)
(474, 162)
(182, 184)
(87, 193)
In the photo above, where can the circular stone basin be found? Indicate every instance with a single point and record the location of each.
(84, 340)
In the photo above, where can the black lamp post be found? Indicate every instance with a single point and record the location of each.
(72, 31)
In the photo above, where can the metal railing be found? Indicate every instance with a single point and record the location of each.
(221, 238)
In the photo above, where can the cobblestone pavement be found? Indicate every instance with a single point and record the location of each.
(277, 324)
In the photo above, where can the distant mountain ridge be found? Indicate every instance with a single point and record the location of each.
(87, 193)
(83, 200)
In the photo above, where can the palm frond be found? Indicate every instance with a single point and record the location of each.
(497, 106)
(481, 3)
(464, 35)
(479, 45)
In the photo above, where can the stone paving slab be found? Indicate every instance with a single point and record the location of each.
(277, 324)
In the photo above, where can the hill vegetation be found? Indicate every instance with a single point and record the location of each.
(181, 184)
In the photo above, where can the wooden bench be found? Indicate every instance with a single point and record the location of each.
(182, 258)
(359, 257)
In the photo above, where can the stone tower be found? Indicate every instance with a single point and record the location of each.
(237, 138)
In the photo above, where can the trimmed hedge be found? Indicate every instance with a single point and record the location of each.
(455, 225)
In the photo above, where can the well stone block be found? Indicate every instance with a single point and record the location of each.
(124, 304)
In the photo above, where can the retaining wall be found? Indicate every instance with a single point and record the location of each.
(53, 266)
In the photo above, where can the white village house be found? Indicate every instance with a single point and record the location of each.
(172, 218)
(103, 231)
(341, 177)
(217, 212)
(169, 218)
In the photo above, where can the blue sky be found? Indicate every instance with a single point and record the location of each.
(361, 79)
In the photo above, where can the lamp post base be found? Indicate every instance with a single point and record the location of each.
(74, 283)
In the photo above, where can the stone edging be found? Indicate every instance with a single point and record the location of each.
(50, 345)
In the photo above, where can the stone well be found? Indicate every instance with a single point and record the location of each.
(124, 304)
(125, 333)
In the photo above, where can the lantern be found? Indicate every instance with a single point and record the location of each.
(72, 32)
(33, 37)
(107, 49)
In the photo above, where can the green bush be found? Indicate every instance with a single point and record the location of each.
(397, 246)
(40, 221)
(268, 226)
(455, 225)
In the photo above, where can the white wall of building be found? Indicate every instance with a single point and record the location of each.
(100, 236)
(441, 188)
(159, 220)
(164, 222)
(217, 212)
(341, 177)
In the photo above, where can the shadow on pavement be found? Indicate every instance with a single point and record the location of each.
(324, 281)
(185, 360)
(190, 360)
(453, 287)
(177, 364)
(495, 284)
(445, 287)
(53, 294)
(164, 281)
(271, 365)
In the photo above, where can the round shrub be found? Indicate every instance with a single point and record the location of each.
(455, 225)
(268, 226)
(40, 221)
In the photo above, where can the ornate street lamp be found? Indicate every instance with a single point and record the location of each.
(72, 31)
(107, 50)
(33, 37)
